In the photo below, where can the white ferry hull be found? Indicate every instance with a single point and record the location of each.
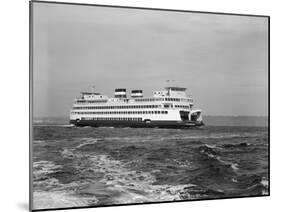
(137, 124)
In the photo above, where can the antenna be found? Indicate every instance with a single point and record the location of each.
(93, 88)
(170, 82)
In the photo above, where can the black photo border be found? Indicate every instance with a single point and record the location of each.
(31, 2)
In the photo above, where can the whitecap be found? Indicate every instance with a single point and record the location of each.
(66, 153)
(182, 164)
(87, 141)
(234, 180)
(264, 182)
(234, 166)
(210, 146)
(38, 141)
(60, 199)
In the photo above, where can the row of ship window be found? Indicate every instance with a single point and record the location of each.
(163, 99)
(119, 107)
(182, 106)
(91, 101)
(140, 100)
(112, 119)
(126, 107)
(123, 112)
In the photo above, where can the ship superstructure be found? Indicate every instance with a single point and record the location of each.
(169, 108)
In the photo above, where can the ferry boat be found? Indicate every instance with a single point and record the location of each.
(168, 108)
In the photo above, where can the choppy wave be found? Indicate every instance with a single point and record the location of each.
(179, 137)
(41, 170)
(105, 166)
(87, 141)
(256, 185)
(135, 186)
(213, 153)
(239, 145)
(60, 199)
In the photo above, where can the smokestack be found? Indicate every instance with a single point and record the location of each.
(120, 93)
(136, 94)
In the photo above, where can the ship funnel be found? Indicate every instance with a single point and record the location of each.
(120, 93)
(136, 94)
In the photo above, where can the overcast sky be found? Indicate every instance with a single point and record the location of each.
(221, 59)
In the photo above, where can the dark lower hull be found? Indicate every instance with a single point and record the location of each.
(137, 124)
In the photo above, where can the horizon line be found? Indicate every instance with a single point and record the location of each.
(261, 116)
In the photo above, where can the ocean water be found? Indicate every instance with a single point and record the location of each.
(74, 167)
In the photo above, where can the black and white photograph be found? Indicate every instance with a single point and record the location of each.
(138, 105)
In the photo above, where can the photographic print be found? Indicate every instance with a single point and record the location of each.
(138, 105)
